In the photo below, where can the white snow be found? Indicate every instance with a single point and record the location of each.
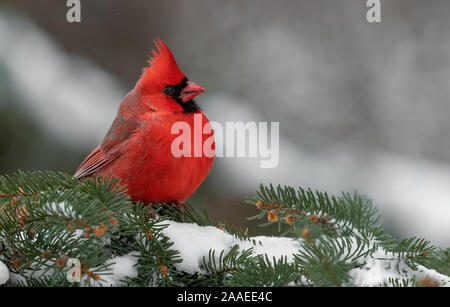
(120, 268)
(123, 266)
(194, 243)
(378, 270)
(4, 273)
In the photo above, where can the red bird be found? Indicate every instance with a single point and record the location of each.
(137, 147)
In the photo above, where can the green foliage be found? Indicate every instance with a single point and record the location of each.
(48, 218)
(442, 261)
(339, 234)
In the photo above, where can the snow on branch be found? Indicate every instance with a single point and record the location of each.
(195, 242)
(55, 228)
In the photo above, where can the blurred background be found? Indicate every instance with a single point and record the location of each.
(362, 106)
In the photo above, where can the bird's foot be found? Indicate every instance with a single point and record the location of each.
(179, 205)
(150, 212)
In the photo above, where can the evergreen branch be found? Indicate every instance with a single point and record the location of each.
(48, 218)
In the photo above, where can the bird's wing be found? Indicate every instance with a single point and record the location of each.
(95, 161)
(122, 129)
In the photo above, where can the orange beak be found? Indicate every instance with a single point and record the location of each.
(191, 91)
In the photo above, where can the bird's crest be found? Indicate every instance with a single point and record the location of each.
(162, 65)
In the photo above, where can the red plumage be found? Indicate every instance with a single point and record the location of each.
(137, 147)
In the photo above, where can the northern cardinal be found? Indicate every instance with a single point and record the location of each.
(137, 147)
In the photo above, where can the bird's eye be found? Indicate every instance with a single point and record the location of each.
(169, 90)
